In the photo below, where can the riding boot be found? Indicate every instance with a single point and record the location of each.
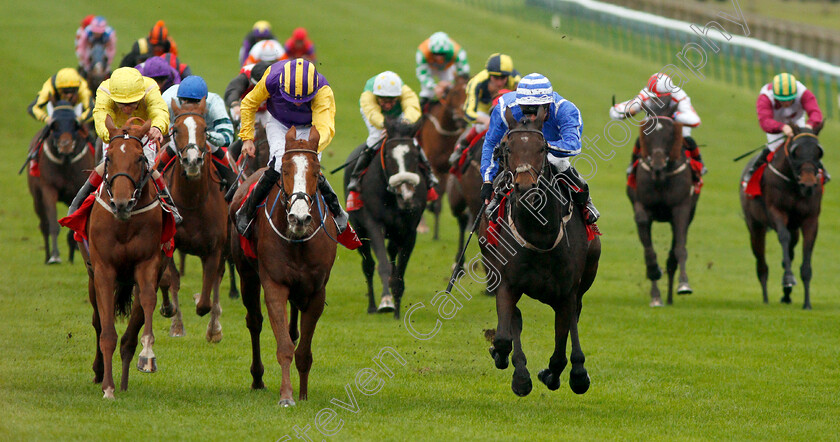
(460, 146)
(166, 197)
(354, 200)
(90, 185)
(224, 169)
(693, 152)
(634, 156)
(245, 214)
(431, 179)
(580, 195)
(346, 235)
(826, 176)
(164, 159)
(762, 159)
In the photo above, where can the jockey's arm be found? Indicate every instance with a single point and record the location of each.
(570, 126)
(371, 110)
(422, 71)
(323, 115)
(686, 114)
(157, 110)
(462, 65)
(471, 103)
(410, 105)
(219, 128)
(249, 106)
(629, 107)
(38, 106)
(86, 99)
(812, 108)
(764, 109)
(497, 130)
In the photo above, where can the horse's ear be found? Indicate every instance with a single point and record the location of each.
(509, 118)
(175, 106)
(390, 124)
(202, 105)
(314, 138)
(541, 112)
(818, 127)
(109, 124)
(291, 134)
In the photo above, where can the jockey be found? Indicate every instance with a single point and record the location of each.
(173, 61)
(266, 50)
(297, 96)
(562, 129)
(661, 86)
(439, 61)
(782, 104)
(236, 91)
(259, 32)
(125, 95)
(385, 96)
(219, 129)
(97, 31)
(498, 74)
(80, 31)
(300, 46)
(65, 85)
(157, 69)
(156, 43)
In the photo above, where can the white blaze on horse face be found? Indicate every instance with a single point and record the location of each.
(402, 176)
(192, 154)
(299, 208)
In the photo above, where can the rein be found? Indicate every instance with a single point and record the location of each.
(180, 151)
(646, 164)
(138, 186)
(75, 159)
(289, 200)
(788, 150)
(439, 129)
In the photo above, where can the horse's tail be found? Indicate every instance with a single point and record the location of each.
(122, 298)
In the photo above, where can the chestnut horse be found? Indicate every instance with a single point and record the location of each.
(541, 250)
(442, 125)
(293, 238)
(664, 192)
(197, 193)
(790, 201)
(465, 193)
(64, 161)
(392, 209)
(124, 251)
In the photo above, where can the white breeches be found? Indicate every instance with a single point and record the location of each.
(276, 133)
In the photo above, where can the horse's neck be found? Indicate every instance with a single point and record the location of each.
(541, 225)
(192, 192)
(441, 112)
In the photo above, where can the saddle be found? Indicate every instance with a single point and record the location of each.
(460, 168)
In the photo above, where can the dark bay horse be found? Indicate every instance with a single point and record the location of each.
(394, 196)
(442, 125)
(124, 251)
(64, 162)
(542, 250)
(664, 192)
(196, 191)
(98, 71)
(465, 192)
(790, 202)
(293, 239)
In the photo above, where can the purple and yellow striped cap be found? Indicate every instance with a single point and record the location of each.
(298, 81)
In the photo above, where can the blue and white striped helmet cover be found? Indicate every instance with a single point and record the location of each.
(534, 89)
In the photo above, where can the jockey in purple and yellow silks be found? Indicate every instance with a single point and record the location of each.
(297, 95)
(125, 95)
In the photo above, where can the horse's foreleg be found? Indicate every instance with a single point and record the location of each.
(521, 383)
(303, 353)
(176, 326)
(679, 229)
(377, 242)
(71, 246)
(578, 377)
(403, 255)
(182, 268)
(50, 200)
(128, 343)
(214, 327)
(557, 363)
(758, 235)
(234, 292)
(250, 289)
(210, 271)
(43, 223)
(463, 222)
(146, 275)
(368, 267)
(502, 342)
(809, 238)
(104, 283)
(276, 297)
(654, 273)
(780, 220)
(97, 327)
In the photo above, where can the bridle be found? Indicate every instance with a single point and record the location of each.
(80, 141)
(523, 168)
(289, 200)
(138, 185)
(644, 161)
(385, 175)
(180, 151)
(796, 166)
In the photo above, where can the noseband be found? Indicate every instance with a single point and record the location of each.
(387, 177)
(523, 168)
(179, 151)
(138, 186)
(288, 200)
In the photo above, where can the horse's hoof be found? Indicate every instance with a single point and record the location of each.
(806, 306)
(521, 384)
(501, 362)
(54, 260)
(258, 385)
(386, 305)
(234, 294)
(656, 302)
(177, 331)
(788, 281)
(214, 337)
(684, 289)
(548, 378)
(286, 403)
(579, 381)
(371, 309)
(167, 311)
(108, 393)
(147, 365)
(786, 298)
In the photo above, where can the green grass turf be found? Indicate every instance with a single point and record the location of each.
(717, 365)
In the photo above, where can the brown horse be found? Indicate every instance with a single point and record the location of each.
(197, 193)
(790, 201)
(664, 192)
(465, 192)
(124, 250)
(293, 239)
(542, 250)
(442, 125)
(64, 161)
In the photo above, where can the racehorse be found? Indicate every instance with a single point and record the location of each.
(64, 161)
(541, 249)
(196, 191)
(124, 234)
(464, 189)
(293, 253)
(790, 201)
(664, 191)
(442, 125)
(394, 199)
(98, 71)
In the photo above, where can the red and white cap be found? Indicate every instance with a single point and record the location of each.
(661, 85)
